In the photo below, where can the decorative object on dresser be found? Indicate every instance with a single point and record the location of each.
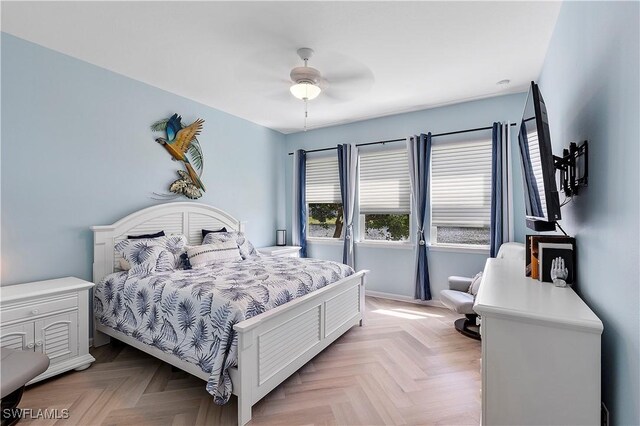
(182, 143)
(540, 350)
(280, 251)
(552, 253)
(50, 317)
(532, 253)
(281, 237)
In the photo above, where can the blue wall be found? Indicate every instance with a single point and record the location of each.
(392, 268)
(590, 84)
(77, 151)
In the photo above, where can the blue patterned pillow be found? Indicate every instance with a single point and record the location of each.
(247, 250)
(153, 254)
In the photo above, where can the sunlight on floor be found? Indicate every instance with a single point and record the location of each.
(405, 313)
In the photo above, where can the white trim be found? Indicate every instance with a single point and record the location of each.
(325, 241)
(401, 245)
(459, 248)
(436, 303)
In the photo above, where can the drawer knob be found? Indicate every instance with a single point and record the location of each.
(30, 345)
(35, 311)
(39, 343)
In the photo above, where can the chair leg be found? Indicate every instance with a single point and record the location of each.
(467, 326)
(10, 411)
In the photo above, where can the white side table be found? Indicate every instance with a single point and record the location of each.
(281, 251)
(51, 317)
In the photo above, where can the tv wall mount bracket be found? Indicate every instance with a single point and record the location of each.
(567, 165)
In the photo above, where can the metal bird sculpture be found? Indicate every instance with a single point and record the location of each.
(178, 141)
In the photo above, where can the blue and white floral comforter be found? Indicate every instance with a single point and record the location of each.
(191, 313)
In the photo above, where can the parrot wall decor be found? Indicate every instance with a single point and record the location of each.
(181, 143)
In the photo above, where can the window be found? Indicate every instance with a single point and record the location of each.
(324, 205)
(385, 195)
(461, 193)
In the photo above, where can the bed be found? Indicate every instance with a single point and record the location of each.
(298, 307)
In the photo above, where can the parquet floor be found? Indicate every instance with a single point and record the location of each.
(407, 365)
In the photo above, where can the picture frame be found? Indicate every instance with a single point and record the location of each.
(550, 251)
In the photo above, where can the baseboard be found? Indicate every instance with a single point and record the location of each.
(401, 298)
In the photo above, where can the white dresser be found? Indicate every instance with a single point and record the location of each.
(540, 351)
(50, 317)
(280, 251)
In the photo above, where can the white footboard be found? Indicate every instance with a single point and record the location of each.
(275, 344)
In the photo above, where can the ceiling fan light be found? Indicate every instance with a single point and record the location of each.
(306, 91)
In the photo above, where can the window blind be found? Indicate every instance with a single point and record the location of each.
(384, 182)
(461, 184)
(323, 180)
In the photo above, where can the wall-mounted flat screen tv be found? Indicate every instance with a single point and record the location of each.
(538, 169)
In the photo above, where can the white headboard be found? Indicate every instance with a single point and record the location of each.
(185, 218)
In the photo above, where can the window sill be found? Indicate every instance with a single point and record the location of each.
(386, 244)
(325, 241)
(459, 248)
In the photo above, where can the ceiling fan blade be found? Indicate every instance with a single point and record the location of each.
(348, 86)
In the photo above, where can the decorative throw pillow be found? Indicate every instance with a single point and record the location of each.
(139, 237)
(210, 254)
(157, 254)
(475, 284)
(206, 231)
(247, 250)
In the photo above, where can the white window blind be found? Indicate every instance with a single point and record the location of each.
(323, 180)
(384, 182)
(461, 184)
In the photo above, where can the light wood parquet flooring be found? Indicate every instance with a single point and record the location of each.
(407, 365)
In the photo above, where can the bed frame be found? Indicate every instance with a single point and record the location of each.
(272, 345)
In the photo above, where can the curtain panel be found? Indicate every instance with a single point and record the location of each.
(299, 214)
(419, 153)
(499, 231)
(347, 166)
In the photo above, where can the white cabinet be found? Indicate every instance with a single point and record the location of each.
(281, 251)
(540, 351)
(51, 317)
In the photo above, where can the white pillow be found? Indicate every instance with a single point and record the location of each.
(475, 284)
(210, 254)
(246, 248)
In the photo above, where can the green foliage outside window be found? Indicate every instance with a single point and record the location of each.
(389, 227)
(324, 218)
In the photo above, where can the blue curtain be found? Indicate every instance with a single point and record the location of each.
(299, 225)
(419, 152)
(347, 166)
(497, 219)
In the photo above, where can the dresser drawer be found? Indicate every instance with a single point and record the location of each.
(37, 308)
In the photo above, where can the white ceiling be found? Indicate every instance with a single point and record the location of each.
(236, 56)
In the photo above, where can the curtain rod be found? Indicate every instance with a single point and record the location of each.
(477, 129)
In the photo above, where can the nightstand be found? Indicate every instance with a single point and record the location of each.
(281, 251)
(51, 317)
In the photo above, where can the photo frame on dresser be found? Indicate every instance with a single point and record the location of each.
(548, 252)
(532, 253)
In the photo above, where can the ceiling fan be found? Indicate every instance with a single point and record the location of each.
(344, 78)
(308, 82)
